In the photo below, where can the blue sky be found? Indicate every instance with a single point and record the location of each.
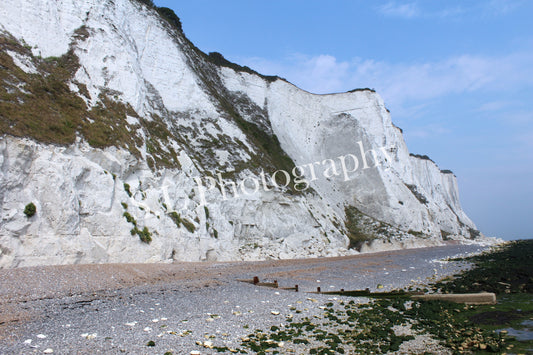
(457, 77)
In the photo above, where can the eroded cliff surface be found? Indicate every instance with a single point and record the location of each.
(134, 146)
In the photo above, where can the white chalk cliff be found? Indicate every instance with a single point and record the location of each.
(115, 127)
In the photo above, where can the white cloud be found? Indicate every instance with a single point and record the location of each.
(408, 10)
(428, 131)
(492, 106)
(500, 7)
(323, 69)
(431, 9)
(318, 74)
(399, 83)
(520, 118)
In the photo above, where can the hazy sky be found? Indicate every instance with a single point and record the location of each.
(457, 77)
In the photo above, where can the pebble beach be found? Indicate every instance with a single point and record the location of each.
(192, 308)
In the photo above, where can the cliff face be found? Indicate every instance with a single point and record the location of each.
(128, 141)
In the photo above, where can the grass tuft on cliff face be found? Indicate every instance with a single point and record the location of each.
(40, 106)
(188, 225)
(30, 210)
(44, 107)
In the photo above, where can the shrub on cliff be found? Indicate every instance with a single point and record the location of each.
(30, 210)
